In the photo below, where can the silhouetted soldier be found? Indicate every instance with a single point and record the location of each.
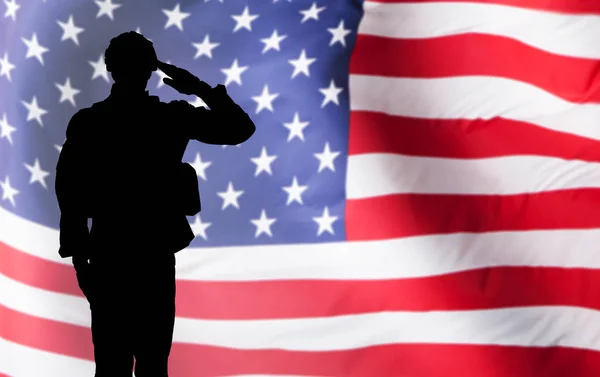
(121, 167)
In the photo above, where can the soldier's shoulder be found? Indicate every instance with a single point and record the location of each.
(156, 102)
(78, 119)
(82, 113)
(85, 113)
(82, 120)
(179, 104)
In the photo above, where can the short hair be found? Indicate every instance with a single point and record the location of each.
(130, 49)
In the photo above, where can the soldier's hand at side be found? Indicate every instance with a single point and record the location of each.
(80, 261)
(82, 271)
(181, 80)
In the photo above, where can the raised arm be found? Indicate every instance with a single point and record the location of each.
(226, 123)
(70, 191)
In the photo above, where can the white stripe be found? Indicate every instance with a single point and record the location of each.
(410, 257)
(390, 259)
(371, 175)
(562, 34)
(527, 326)
(473, 97)
(29, 237)
(74, 310)
(17, 360)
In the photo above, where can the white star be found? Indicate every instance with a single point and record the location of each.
(311, 13)
(6, 129)
(198, 102)
(199, 228)
(230, 197)
(294, 192)
(70, 30)
(6, 66)
(34, 111)
(331, 94)
(326, 158)
(106, 7)
(244, 20)
(99, 68)
(301, 64)
(263, 162)
(11, 9)
(34, 49)
(338, 34)
(175, 17)
(325, 222)
(8, 192)
(273, 41)
(263, 224)
(296, 128)
(161, 76)
(200, 166)
(204, 48)
(37, 174)
(265, 100)
(67, 92)
(234, 73)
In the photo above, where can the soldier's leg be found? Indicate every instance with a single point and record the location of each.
(155, 302)
(113, 353)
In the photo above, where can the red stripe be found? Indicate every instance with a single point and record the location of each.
(372, 132)
(562, 6)
(380, 361)
(44, 334)
(406, 215)
(422, 360)
(478, 54)
(477, 289)
(37, 272)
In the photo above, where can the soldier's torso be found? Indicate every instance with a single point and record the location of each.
(134, 152)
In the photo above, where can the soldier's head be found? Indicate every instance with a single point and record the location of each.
(131, 59)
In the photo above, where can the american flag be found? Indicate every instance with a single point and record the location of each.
(418, 199)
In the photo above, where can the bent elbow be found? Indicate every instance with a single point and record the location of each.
(244, 132)
(248, 130)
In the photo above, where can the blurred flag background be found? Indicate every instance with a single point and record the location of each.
(421, 197)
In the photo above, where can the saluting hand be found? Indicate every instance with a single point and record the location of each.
(182, 80)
